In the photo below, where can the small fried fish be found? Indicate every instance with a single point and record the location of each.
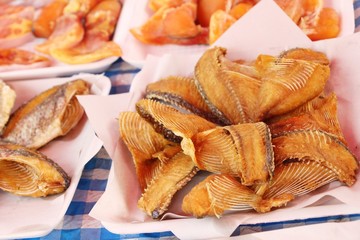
(50, 114)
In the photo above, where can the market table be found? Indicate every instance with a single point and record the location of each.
(77, 224)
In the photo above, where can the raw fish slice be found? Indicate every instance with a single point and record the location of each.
(288, 83)
(180, 92)
(243, 150)
(148, 148)
(50, 114)
(170, 178)
(173, 124)
(219, 193)
(231, 94)
(299, 178)
(7, 101)
(28, 172)
(320, 147)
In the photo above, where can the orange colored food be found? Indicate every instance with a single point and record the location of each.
(45, 23)
(206, 8)
(240, 9)
(293, 8)
(312, 5)
(103, 18)
(20, 56)
(325, 25)
(80, 7)
(179, 22)
(68, 32)
(172, 25)
(155, 5)
(220, 21)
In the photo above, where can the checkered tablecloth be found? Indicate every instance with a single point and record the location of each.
(77, 224)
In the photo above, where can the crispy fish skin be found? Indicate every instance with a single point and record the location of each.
(30, 173)
(322, 116)
(305, 54)
(182, 93)
(50, 114)
(220, 192)
(230, 92)
(7, 101)
(172, 176)
(148, 148)
(318, 146)
(173, 124)
(299, 177)
(288, 84)
(242, 150)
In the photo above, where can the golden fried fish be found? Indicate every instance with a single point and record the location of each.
(7, 100)
(173, 124)
(171, 177)
(305, 54)
(287, 84)
(161, 167)
(243, 150)
(299, 178)
(28, 172)
(219, 193)
(318, 146)
(322, 116)
(50, 114)
(148, 148)
(180, 92)
(229, 90)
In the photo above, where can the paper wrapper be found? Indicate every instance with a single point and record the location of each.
(135, 52)
(267, 32)
(23, 217)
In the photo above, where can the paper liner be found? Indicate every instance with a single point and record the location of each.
(23, 217)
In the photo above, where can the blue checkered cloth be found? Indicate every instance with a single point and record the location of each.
(77, 224)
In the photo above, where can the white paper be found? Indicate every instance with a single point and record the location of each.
(136, 52)
(23, 217)
(117, 210)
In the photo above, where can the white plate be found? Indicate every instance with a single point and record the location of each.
(117, 208)
(135, 51)
(23, 217)
(59, 69)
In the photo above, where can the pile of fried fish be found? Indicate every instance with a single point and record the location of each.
(265, 131)
(24, 169)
